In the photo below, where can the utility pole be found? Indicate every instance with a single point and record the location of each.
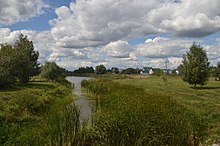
(166, 62)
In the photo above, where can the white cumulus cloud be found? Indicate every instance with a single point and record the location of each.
(96, 22)
(119, 49)
(12, 11)
(163, 47)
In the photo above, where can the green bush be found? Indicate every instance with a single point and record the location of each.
(6, 78)
(30, 103)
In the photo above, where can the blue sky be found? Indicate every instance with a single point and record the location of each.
(129, 33)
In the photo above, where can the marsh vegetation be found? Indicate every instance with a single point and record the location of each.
(127, 111)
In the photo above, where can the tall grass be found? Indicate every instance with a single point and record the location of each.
(25, 110)
(64, 127)
(124, 115)
(128, 115)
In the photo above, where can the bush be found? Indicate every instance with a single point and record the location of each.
(6, 78)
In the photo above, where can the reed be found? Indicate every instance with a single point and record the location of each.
(129, 115)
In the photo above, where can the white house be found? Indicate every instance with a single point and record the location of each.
(147, 71)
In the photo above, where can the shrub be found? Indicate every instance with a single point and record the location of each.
(6, 78)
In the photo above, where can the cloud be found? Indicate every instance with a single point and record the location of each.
(97, 22)
(93, 32)
(193, 18)
(70, 65)
(163, 47)
(213, 52)
(218, 40)
(119, 49)
(7, 36)
(12, 11)
(61, 55)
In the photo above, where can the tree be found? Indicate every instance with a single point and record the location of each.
(27, 64)
(100, 69)
(7, 58)
(19, 61)
(180, 69)
(84, 70)
(217, 72)
(131, 71)
(7, 65)
(6, 78)
(195, 66)
(115, 70)
(158, 72)
(50, 71)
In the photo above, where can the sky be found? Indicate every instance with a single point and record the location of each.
(115, 33)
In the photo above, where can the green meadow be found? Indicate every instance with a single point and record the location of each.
(203, 100)
(128, 111)
(155, 111)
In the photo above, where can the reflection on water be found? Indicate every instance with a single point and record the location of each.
(82, 101)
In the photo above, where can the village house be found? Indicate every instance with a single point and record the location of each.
(147, 71)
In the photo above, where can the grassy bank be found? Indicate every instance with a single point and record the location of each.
(129, 115)
(204, 100)
(26, 111)
(129, 111)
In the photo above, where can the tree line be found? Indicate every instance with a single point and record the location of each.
(195, 68)
(19, 62)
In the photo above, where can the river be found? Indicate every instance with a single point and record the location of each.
(85, 105)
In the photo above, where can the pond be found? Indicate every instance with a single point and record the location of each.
(84, 103)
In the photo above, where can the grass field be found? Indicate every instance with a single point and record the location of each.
(204, 100)
(24, 111)
(129, 111)
(131, 115)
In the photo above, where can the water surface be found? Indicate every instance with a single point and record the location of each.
(82, 101)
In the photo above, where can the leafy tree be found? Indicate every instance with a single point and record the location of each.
(7, 58)
(84, 70)
(50, 71)
(158, 72)
(217, 72)
(19, 61)
(26, 57)
(180, 69)
(7, 65)
(115, 70)
(131, 71)
(100, 69)
(6, 78)
(196, 66)
(212, 72)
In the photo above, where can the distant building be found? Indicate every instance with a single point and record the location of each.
(170, 72)
(177, 72)
(147, 71)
